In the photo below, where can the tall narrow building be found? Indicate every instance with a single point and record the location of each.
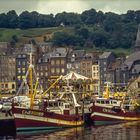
(137, 44)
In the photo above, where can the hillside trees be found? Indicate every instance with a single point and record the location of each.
(63, 39)
(90, 28)
(67, 19)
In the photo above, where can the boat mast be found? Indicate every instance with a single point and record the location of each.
(31, 80)
(107, 90)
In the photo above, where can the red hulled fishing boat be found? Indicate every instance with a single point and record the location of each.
(106, 110)
(38, 114)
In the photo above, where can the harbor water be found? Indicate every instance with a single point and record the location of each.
(124, 131)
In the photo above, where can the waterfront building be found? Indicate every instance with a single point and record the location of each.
(43, 69)
(21, 69)
(7, 74)
(58, 61)
(74, 60)
(7, 69)
(104, 61)
(95, 77)
(131, 67)
(45, 47)
(86, 66)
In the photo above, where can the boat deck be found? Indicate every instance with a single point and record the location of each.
(4, 116)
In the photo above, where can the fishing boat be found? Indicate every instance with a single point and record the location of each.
(107, 110)
(43, 114)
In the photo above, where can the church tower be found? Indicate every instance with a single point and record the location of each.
(137, 43)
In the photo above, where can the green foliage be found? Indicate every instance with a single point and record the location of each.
(64, 38)
(87, 30)
(15, 38)
(67, 19)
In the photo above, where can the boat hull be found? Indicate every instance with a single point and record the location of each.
(101, 115)
(27, 119)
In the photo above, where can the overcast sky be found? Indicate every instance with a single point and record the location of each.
(78, 6)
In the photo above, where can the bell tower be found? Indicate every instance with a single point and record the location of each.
(137, 43)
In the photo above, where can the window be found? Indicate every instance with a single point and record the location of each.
(89, 72)
(23, 77)
(88, 65)
(52, 62)
(107, 102)
(19, 63)
(23, 70)
(63, 70)
(114, 102)
(98, 102)
(46, 74)
(13, 86)
(57, 70)
(19, 71)
(69, 66)
(83, 65)
(41, 68)
(138, 84)
(23, 63)
(102, 102)
(37, 67)
(62, 62)
(18, 77)
(52, 70)
(83, 71)
(57, 62)
(6, 85)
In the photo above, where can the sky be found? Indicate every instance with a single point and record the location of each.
(77, 6)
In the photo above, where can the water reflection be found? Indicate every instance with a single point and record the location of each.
(125, 131)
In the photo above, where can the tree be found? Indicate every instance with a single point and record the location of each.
(63, 38)
(13, 43)
(3, 21)
(84, 32)
(12, 19)
(129, 16)
(25, 20)
(28, 20)
(111, 22)
(89, 17)
(46, 20)
(67, 19)
(137, 16)
(99, 38)
(15, 38)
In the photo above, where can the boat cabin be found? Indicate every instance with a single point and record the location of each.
(59, 106)
(107, 102)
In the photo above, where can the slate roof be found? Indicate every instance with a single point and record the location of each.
(137, 68)
(59, 52)
(79, 53)
(105, 55)
(45, 58)
(132, 58)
